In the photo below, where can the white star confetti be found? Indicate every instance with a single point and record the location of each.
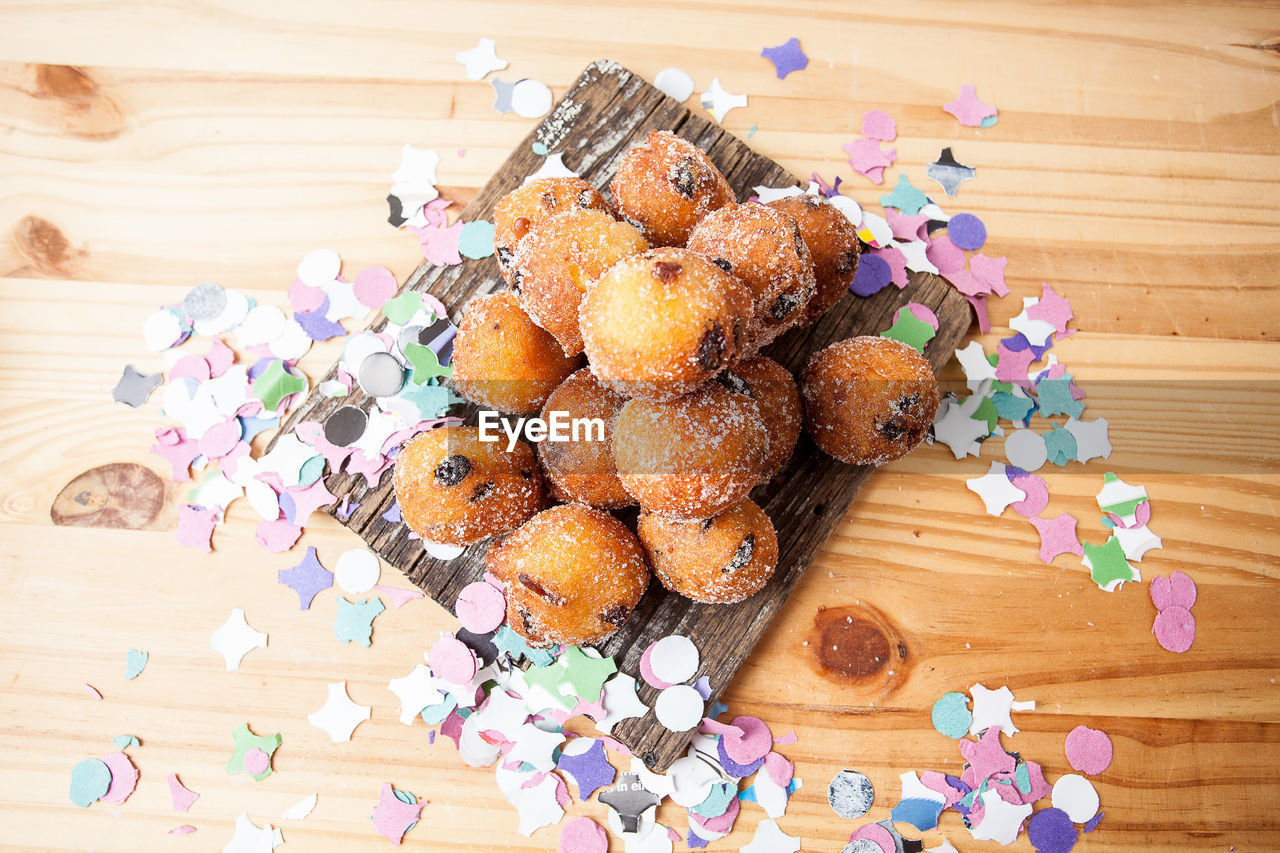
(248, 838)
(235, 639)
(917, 261)
(719, 102)
(978, 372)
(992, 707)
(1035, 331)
(1000, 820)
(995, 489)
(770, 839)
(1092, 440)
(339, 716)
(415, 691)
(954, 427)
(480, 60)
(621, 702)
(552, 167)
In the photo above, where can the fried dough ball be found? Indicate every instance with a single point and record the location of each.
(583, 470)
(502, 360)
(573, 575)
(774, 389)
(659, 324)
(516, 213)
(691, 457)
(763, 247)
(868, 400)
(456, 489)
(560, 257)
(665, 185)
(721, 560)
(833, 242)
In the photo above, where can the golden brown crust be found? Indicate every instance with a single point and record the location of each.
(721, 560)
(833, 243)
(502, 360)
(868, 400)
(453, 488)
(517, 213)
(584, 470)
(559, 259)
(778, 398)
(573, 575)
(665, 185)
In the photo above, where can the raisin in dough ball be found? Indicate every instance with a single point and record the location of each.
(763, 247)
(774, 389)
(691, 457)
(583, 470)
(660, 324)
(516, 213)
(868, 400)
(833, 242)
(556, 262)
(573, 575)
(721, 560)
(665, 185)
(456, 489)
(502, 360)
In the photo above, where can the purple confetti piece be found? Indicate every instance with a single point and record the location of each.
(288, 507)
(591, 771)
(316, 325)
(392, 515)
(1051, 831)
(786, 57)
(1094, 821)
(345, 511)
(696, 842)
(703, 686)
(732, 767)
(307, 578)
(431, 736)
(967, 231)
(874, 275)
(260, 366)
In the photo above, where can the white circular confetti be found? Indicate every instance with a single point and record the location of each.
(161, 330)
(320, 267)
(293, 342)
(675, 83)
(357, 570)
(1076, 796)
(1025, 449)
(851, 209)
(263, 325)
(679, 708)
(674, 659)
(235, 310)
(531, 99)
(441, 551)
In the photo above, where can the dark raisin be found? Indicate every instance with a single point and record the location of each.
(666, 271)
(734, 383)
(910, 401)
(847, 262)
(481, 491)
(517, 278)
(504, 256)
(681, 177)
(892, 429)
(783, 305)
(539, 590)
(723, 263)
(548, 200)
(452, 470)
(528, 475)
(707, 522)
(742, 556)
(798, 239)
(616, 615)
(711, 349)
(526, 619)
(586, 198)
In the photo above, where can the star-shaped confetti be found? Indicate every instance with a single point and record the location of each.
(786, 57)
(1092, 439)
(394, 816)
(426, 364)
(630, 799)
(970, 111)
(905, 197)
(621, 702)
(1052, 309)
(995, 489)
(537, 804)
(991, 710)
(1037, 332)
(769, 838)
(958, 430)
(246, 742)
(307, 578)
(949, 172)
(415, 691)
(584, 676)
(585, 762)
(480, 60)
(339, 716)
(910, 330)
(354, 621)
(234, 639)
(1107, 565)
(1057, 536)
(248, 838)
(276, 383)
(719, 102)
(135, 387)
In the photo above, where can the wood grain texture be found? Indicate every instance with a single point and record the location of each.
(1134, 168)
(606, 112)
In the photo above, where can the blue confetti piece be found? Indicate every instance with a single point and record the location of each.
(475, 241)
(135, 663)
(540, 149)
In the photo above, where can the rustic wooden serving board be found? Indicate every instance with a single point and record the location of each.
(606, 111)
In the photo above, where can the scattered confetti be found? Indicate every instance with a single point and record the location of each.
(948, 172)
(248, 838)
(481, 607)
(1057, 536)
(307, 579)
(1076, 796)
(1000, 820)
(583, 835)
(719, 102)
(951, 715)
(235, 639)
(1107, 565)
(480, 60)
(584, 761)
(674, 83)
(90, 780)
(245, 741)
(1051, 831)
(300, 809)
(392, 816)
(531, 98)
(850, 794)
(769, 838)
(679, 708)
(1088, 750)
(968, 110)
(1176, 590)
(338, 717)
(135, 662)
(1175, 629)
(181, 796)
(502, 91)
(416, 691)
(354, 620)
(879, 125)
(995, 489)
(909, 200)
(135, 387)
(786, 57)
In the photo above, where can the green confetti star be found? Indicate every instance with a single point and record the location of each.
(354, 622)
(910, 330)
(275, 383)
(246, 740)
(1055, 398)
(426, 364)
(549, 679)
(1107, 563)
(513, 644)
(905, 197)
(586, 675)
(400, 309)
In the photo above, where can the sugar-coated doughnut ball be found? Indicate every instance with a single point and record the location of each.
(573, 575)
(868, 400)
(665, 185)
(763, 247)
(659, 324)
(516, 213)
(560, 257)
(833, 242)
(503, 360)
(719, 560)
(583, 470)
(454, 488)
(774, 389)
(691, 457)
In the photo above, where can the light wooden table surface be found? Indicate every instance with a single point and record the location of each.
(1133, 167)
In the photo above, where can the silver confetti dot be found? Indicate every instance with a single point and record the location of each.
(850, 794)
(381, 374)
(204, 301)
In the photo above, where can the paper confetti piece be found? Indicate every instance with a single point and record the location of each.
(968, 110)
(476, 240)
(719, 102)
(90, 780)
(951, 715)
(354, 620)
(234, 639)
(125, 741)
(135, 387)
(300, 809)
(995, 489)
(584, 761)
(244, 741)
(1000, 821)
(248, 838)
(1051, 831)
(868, 159)
(181, 796)
(357, 570)
(850, 794)
(879, 125)
(1088, 750)
(1076, 796)
(1107, 565)
(392, 816)
(1051, 308)
(991, 709)
(530, 99)
(583, 835)
(948, 172)
(786, 57)
(906, 198)
(1057, 536)
(1176, 590)
(1175, 629)
(480, 60)
(910, 330)
(338, 717)
(135, 662)
(967, 231)
(195, 527)
(1092, 441)
(184, 829)
(124, 778)
(674, 83)
(769, 838)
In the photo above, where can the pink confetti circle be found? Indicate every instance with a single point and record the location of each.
(374, 286)
(481, 607)
(1088, 750)
(583, 835)
(753, 744)
(646, 671)
(923, 313)
(220, 439)
(1176, 590)
(1037, 495)
(876, 833)
(1175, 628)
(124, 777)
(304, 297)
(452, 660)
(190, 367)
(256, 762)
(780, 769)
(719, 823)
(945, 255)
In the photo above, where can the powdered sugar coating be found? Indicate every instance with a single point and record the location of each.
(763, 247)
(665, 185)
(583, 470)
(691, 457)
(517, 213)
(558, 261)
(868, 400)
(778, 398)
(659, 324)
(573, 575)
(455, 489)
(718, 561)
(502, 360)
(833, 243)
